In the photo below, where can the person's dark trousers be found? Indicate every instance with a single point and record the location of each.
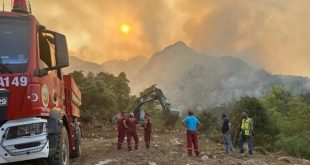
(120, 138)
(248, 139)
(192, 140)
(147, 137)
(228, 143)
(133, 135)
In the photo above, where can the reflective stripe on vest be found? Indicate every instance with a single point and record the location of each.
(245, 126)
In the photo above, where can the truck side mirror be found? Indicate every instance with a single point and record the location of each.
(40, 72)
(61, 50)
(62, 54)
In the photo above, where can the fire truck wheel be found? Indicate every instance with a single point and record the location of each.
(61, 157)
(77, 151)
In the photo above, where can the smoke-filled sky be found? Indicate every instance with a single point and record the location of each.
(273, 34)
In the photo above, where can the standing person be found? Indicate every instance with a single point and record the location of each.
(192, 124)
(131, 125)
(147, 130)
(226, 126)
(246, 133)
(121, 129)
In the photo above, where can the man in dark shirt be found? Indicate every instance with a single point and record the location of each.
(226, 134)
(131, 125)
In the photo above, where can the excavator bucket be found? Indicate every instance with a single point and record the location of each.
(171, 119)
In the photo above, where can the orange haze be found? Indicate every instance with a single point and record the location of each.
(273, 34)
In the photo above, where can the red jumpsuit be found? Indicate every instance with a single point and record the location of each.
(192, 140)
(132, 132)
(121, 131)
(147, 131)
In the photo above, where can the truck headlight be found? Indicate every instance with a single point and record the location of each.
(25, 130)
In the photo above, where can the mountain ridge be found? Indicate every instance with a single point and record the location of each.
(129, 66)
(192, 79)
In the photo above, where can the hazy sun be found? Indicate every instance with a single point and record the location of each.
(125, 28)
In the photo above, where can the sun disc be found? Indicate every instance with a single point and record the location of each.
(125, 28)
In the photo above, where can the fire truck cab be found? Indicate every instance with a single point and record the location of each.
(39, 106)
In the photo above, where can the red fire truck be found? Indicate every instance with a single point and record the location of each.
(39, 106)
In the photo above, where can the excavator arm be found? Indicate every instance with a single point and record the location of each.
(157, 95)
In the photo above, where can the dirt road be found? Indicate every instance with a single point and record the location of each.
(166, 148)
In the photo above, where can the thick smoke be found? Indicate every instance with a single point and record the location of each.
(192, 80)
(272, 34)
(93, 26)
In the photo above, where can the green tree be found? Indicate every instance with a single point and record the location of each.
(122, 91)
(306, 97)
(264, 129)
(103, 95)
(208, 121)
(291, 115)
(79, 78)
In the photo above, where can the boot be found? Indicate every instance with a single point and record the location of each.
(197, 153)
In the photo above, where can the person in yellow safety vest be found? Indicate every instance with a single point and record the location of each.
(246, 133)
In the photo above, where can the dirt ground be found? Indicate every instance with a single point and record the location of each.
(167, 148)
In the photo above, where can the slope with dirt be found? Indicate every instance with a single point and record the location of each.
(167, 148)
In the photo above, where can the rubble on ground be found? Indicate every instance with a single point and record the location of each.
(168, 148)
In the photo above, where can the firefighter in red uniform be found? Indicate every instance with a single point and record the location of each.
(121, 129)
(147, 130)
(131, 125)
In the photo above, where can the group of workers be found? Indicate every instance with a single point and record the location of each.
(246, 133)
(127, 126)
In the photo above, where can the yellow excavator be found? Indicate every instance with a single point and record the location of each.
(156, 94)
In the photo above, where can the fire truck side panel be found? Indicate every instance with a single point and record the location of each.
(73, 96)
